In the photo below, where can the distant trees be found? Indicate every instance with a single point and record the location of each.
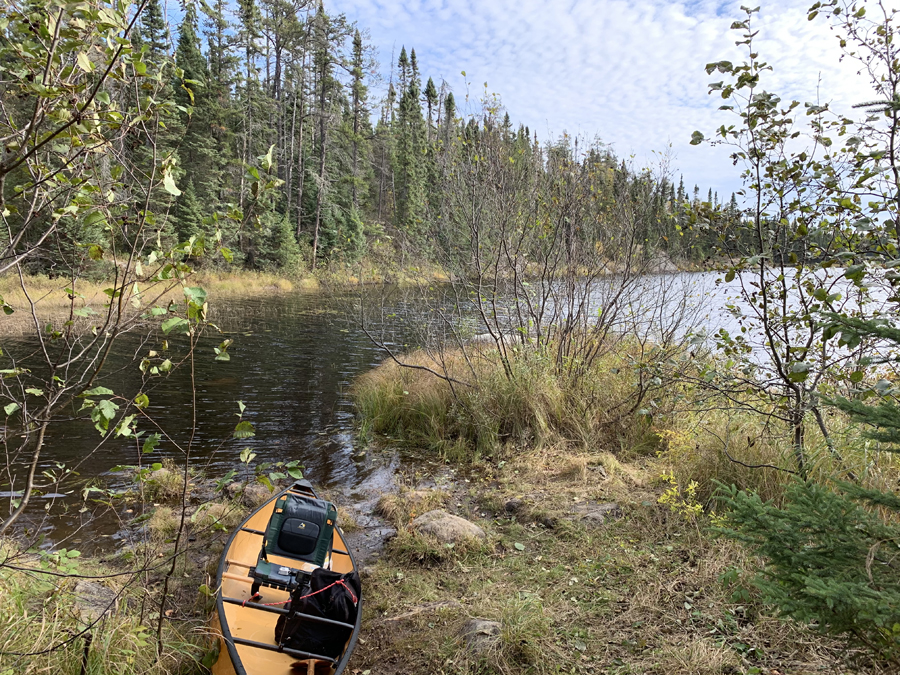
(290, 76)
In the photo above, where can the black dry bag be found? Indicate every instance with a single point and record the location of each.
(339, 602)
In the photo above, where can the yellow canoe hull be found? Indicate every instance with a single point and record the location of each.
(233, 621)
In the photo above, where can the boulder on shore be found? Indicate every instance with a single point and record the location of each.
(599, 514)
(93, 600)
(446, 527)
(480, 635)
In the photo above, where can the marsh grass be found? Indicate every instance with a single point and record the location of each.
(53, 304)
(652, 592)
(531, 404)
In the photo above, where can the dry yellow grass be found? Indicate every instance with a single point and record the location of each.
(53, 303)
(642, 594)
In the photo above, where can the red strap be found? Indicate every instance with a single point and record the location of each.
(308, 595)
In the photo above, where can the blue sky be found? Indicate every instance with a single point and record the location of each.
(628, 71)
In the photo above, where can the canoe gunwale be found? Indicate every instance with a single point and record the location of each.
(229, 639)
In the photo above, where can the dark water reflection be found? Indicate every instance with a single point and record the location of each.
(293, 360)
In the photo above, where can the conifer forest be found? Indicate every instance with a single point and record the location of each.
(274, 108)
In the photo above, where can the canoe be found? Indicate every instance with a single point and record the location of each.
(246, 629)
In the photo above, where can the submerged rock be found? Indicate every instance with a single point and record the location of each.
(447, 528)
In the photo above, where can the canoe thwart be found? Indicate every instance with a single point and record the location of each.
(279, 610)
(296, 653)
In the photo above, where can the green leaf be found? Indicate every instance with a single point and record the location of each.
(10, 408)
(697, 138)
(244, 430)
(519, 547)
(34, 392)
(247, 455)
(97, 391)
(175, 323)
(94, 217)
(799, 371)
(151, 443)
(141, 401)
(241, 407)
(195, 294)
(856, 377)
(729, 276)
(855, 273)
(106, 408)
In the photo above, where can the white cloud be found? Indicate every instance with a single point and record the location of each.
(630, 71)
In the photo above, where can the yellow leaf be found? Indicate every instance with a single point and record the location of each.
(84, 62)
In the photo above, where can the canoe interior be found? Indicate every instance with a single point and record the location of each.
(252, 624)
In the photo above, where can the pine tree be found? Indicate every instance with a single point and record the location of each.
(449, 116)
(403, 69)
(188, 213)
(196, 149)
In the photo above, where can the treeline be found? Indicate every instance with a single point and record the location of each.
(267, 112)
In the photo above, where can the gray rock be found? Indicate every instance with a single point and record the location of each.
(446, 527)
(251, 494)
(599, 514)
(93, 600)
(480, 635)
(514, 505)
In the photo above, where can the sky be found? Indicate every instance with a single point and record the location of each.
(630, 72)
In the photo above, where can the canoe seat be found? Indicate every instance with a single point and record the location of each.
(301, 529)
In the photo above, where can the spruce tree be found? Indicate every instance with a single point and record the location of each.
(188, 213)
(431, 100)
(154, 29)
(411, 171)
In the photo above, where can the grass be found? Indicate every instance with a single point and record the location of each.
(52, 301)
(700, 439)
(42, 625)
(489, 410)
(652, 592)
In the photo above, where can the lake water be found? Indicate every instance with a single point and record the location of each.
(293, 360)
